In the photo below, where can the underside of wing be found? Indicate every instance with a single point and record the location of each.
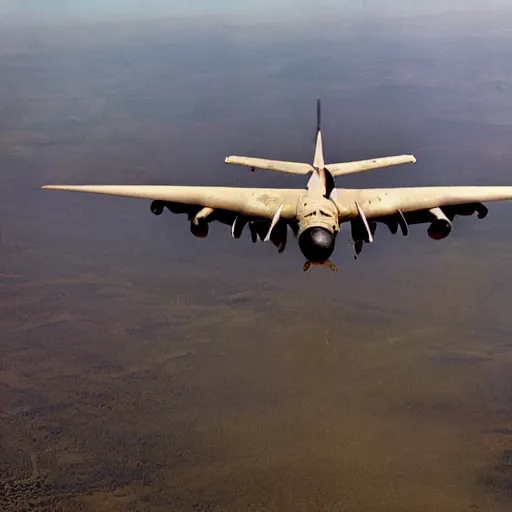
(400, 207)
(251, 202)
(388, 201)
(270, 165)
(367, 165)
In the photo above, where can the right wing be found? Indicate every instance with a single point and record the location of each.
(367, 165)
(399, 207)
(270, 165)
(251, 202)
(379, 202)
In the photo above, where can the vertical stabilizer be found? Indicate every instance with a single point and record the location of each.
(318, 160)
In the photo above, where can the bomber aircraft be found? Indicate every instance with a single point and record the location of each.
(316, 213)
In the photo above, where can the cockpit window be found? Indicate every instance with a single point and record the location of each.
(324, 213)
(311, 214)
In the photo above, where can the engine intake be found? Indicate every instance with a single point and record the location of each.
(441, 226)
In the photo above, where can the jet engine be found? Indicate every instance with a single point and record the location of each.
(441, 226)
(198, 224)
(470, 208)
(157, 207)
(199, 228)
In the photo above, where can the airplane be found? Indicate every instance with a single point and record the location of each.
(314, 214)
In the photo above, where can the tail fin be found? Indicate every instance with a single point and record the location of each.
(318, 160)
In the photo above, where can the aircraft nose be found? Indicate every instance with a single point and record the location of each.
(317, 244)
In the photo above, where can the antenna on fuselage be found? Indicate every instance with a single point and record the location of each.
(318, 160)
(318, 115)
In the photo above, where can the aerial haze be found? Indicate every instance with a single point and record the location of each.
(144, 369)
(56, 11)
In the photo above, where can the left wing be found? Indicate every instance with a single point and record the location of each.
(252, 202)
(380, 202)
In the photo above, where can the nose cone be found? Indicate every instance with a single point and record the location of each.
(317, 244)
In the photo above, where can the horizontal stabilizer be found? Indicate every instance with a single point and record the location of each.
(367, 165)
(270, 165)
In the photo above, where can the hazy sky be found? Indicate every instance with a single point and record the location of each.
(56, 10)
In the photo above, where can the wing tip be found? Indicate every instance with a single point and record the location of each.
(233, 159)
(58, 187)
(72, 188)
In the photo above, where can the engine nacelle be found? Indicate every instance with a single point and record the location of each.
(199, 228)
(470, 208)
(157, 207)
(441, 226)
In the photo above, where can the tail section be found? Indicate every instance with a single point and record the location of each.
(321, 175)
(321, 181)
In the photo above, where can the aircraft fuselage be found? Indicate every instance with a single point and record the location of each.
(318, 227)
